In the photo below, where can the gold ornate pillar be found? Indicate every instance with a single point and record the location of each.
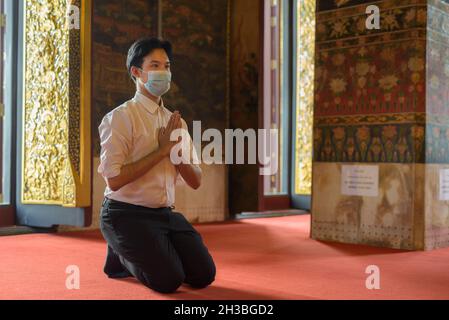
(56, 112)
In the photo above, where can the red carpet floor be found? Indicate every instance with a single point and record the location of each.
(270, 258)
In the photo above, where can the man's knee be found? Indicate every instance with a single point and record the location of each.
(205, 278)
(165, 284)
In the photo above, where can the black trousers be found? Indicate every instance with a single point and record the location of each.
(159, 247)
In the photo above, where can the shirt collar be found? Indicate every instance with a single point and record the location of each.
(149, 104)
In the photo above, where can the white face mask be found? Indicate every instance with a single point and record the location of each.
(158, 82)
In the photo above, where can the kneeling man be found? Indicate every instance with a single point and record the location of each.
(146, 238)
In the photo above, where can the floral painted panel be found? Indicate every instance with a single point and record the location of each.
(370, 102)
(361, 72)
(381, 78)
(366, 142)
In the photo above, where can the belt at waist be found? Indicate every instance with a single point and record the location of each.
(125, 204)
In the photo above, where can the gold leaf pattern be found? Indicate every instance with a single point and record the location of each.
(305, 96)
(47, 171)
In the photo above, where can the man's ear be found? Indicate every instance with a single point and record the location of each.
(135, 72)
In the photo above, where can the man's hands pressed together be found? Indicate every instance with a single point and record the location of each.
(165, 144)
(191, 173)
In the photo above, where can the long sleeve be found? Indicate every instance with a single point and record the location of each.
(115, 137)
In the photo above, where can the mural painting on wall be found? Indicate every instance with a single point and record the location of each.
(385, 220)
(115, 27)
(198, 31)
(323, 5)
(244, 99)
(244, 115)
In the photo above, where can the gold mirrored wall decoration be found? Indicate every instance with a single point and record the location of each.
(56, 110)
(305, 95)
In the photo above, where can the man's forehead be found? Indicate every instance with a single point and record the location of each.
(157, 59)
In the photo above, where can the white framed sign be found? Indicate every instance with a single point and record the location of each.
(360, 180)
(444, 184)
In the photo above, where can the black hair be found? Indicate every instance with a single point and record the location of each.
(143, 47)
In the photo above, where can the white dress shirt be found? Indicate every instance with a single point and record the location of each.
(129, 133)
